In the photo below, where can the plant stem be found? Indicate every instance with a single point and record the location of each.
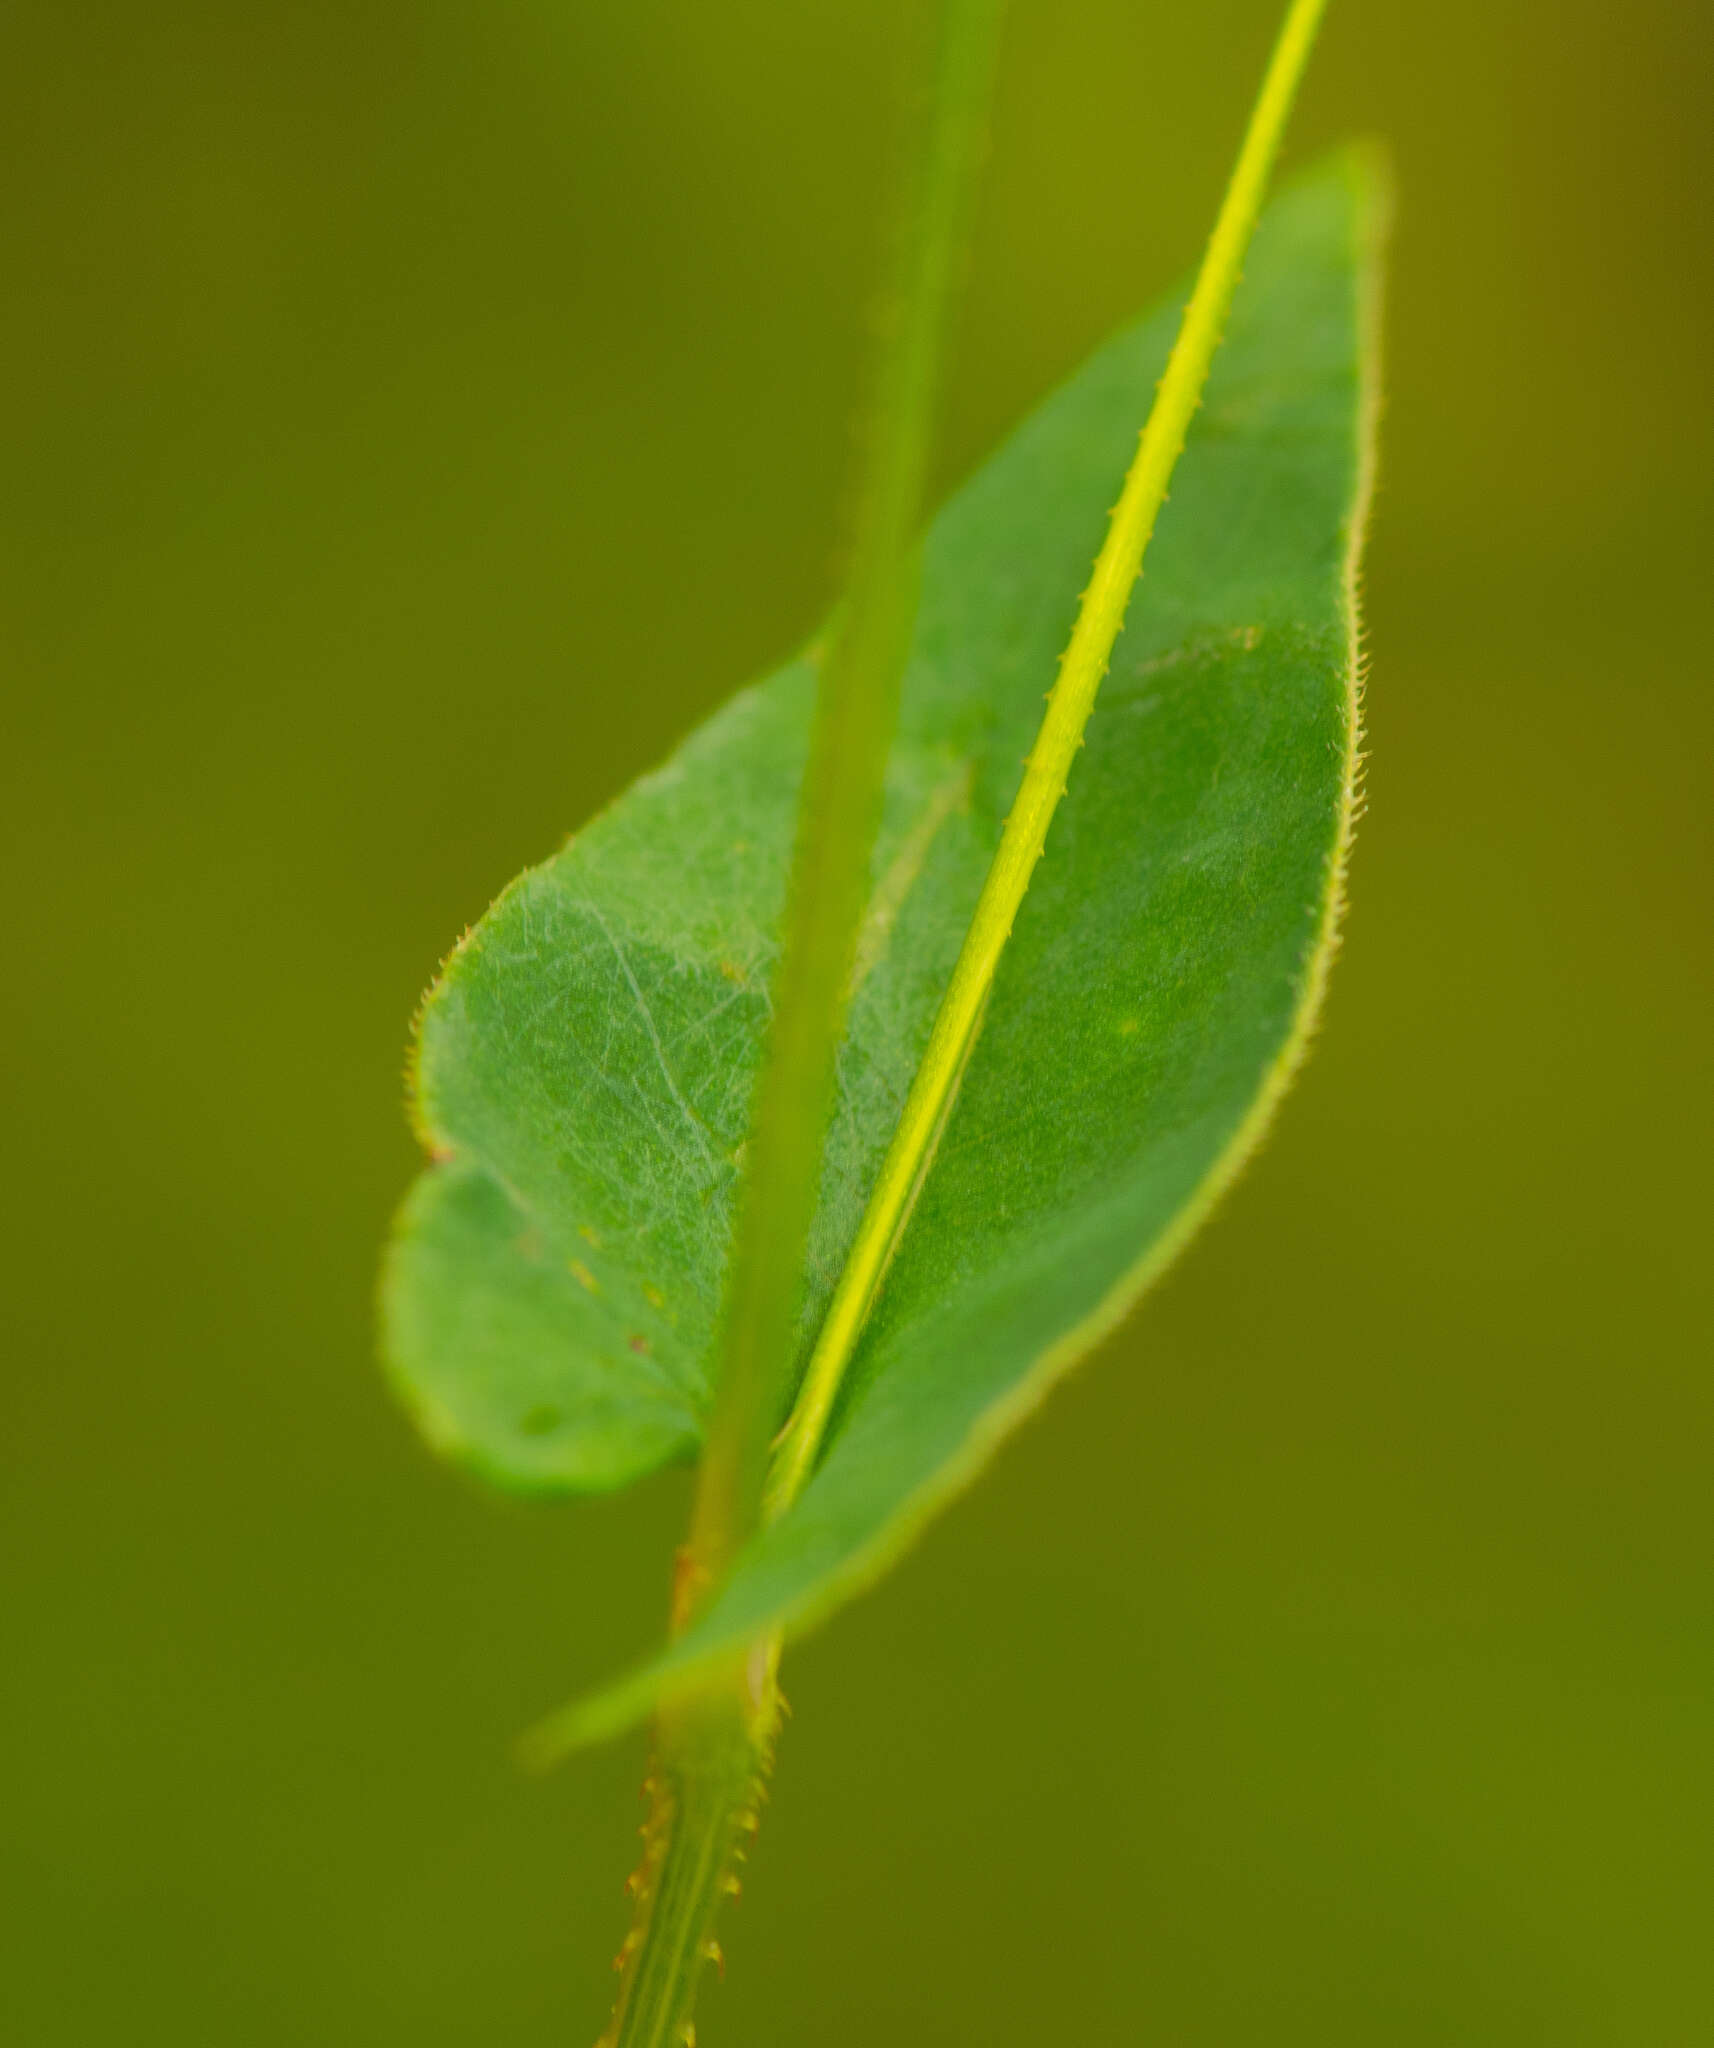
(1081, 669)
(714, 1746)
(712, 1754)
(856, 709)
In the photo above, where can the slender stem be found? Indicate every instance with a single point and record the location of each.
(714, 1745)
(712, 1756)
(856, 709)
(1081, 669)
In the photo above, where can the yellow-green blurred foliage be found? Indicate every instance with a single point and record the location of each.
(414, 417)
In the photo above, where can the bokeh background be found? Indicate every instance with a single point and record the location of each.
(414, 416)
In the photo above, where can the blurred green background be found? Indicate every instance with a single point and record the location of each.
(1334, 1659)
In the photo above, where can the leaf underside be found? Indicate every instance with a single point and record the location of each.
(585, 1062)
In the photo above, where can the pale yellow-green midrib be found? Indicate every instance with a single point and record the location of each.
(1081, 669)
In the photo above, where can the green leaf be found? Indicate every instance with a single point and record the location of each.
(585, 1063)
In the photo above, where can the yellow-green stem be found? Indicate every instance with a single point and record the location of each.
(714, 1745)
(713, 1751)
(856, 707)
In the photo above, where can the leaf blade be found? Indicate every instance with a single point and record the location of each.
(1227, 733)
